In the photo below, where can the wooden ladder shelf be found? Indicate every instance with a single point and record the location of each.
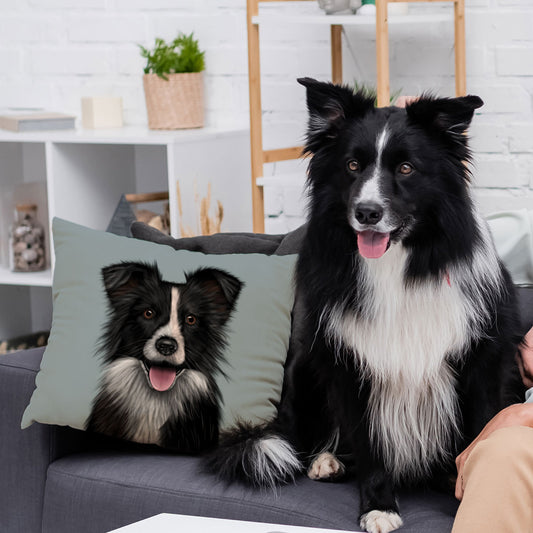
(259, 156)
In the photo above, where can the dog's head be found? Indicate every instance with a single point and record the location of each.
(391, 174)
(168, 327)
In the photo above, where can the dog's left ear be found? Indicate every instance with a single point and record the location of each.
(448, 115)
(329, 107)
(222, 288)
(122, 279)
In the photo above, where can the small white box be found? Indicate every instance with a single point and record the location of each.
(101, 112)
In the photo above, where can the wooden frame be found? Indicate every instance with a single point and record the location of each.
(259, 156)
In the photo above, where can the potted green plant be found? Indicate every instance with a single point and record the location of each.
(173, 83)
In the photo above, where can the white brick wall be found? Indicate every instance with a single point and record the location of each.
(53, 52)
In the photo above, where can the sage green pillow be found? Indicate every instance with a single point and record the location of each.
(257, 331)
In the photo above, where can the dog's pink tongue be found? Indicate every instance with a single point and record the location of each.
(372, 244)
(162, 378)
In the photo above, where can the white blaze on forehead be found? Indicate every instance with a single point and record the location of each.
(381, 141)
(170, 329)
(370, 192)
(173, 322)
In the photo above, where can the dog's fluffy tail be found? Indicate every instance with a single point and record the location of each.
(256, 455)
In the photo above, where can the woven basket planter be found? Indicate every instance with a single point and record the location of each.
(174, 104)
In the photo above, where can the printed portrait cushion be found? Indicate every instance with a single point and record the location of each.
(85, 310)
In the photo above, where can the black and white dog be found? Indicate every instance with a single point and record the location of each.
(408, 329)
(162, 349)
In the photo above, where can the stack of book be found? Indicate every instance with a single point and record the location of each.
(36, 121)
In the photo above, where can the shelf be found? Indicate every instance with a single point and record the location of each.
(321, 19)
(126, 135)
(26, 279)
(80, 175)
(296, 179)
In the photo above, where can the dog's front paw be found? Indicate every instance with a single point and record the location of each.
(325, 467)
(380, 521)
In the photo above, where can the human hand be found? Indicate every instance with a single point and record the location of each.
(520, 414)
(402, 101)
(524, 358)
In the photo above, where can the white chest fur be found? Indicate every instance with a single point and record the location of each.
(402, 340)
(404, 331)
(142, 410)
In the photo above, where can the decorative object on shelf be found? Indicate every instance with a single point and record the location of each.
(101, 112)
(366, 7)
(158, 221)
(334, 6)
(126, 213)
(208, 224)
(24, 342)
(36, 121)
(26, 241)
(173, 84)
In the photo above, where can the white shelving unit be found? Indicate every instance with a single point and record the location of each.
(34, 279)
(79, 175)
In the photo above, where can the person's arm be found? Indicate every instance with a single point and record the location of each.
(404, 100)
(520, 414)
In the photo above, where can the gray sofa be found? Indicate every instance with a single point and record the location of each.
(59, 480)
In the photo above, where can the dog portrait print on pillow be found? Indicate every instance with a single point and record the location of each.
(161, 351)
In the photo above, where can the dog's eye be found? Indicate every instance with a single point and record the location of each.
(148, 313)
(190, 320)
(353, 165)
(405, 169)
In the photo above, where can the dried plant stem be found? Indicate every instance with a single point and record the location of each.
(185, 231)
(207, 225)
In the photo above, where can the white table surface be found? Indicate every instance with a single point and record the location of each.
(176, 523)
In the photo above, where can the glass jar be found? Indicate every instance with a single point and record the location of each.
(26, 241)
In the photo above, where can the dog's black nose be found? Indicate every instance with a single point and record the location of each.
(368, 213)
(166, 345)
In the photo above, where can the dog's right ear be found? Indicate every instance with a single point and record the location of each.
(451, 116)
(329, 106)
(121, 279)
(221, 287)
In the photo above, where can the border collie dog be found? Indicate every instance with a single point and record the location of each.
(408, 330)
(162, 348)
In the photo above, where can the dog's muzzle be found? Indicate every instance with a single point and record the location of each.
(166, 346)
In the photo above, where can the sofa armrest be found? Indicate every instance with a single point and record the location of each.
(525, 308)
(25, 454)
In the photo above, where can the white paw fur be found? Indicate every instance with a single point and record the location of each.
(325, 466)
(380, 521)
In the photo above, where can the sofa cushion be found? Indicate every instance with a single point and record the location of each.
(525, 308)
(96, 492)
(258, 331)
(224, 243)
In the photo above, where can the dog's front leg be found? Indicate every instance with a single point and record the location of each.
(379, 511)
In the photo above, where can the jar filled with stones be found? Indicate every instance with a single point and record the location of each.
(26, 241)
